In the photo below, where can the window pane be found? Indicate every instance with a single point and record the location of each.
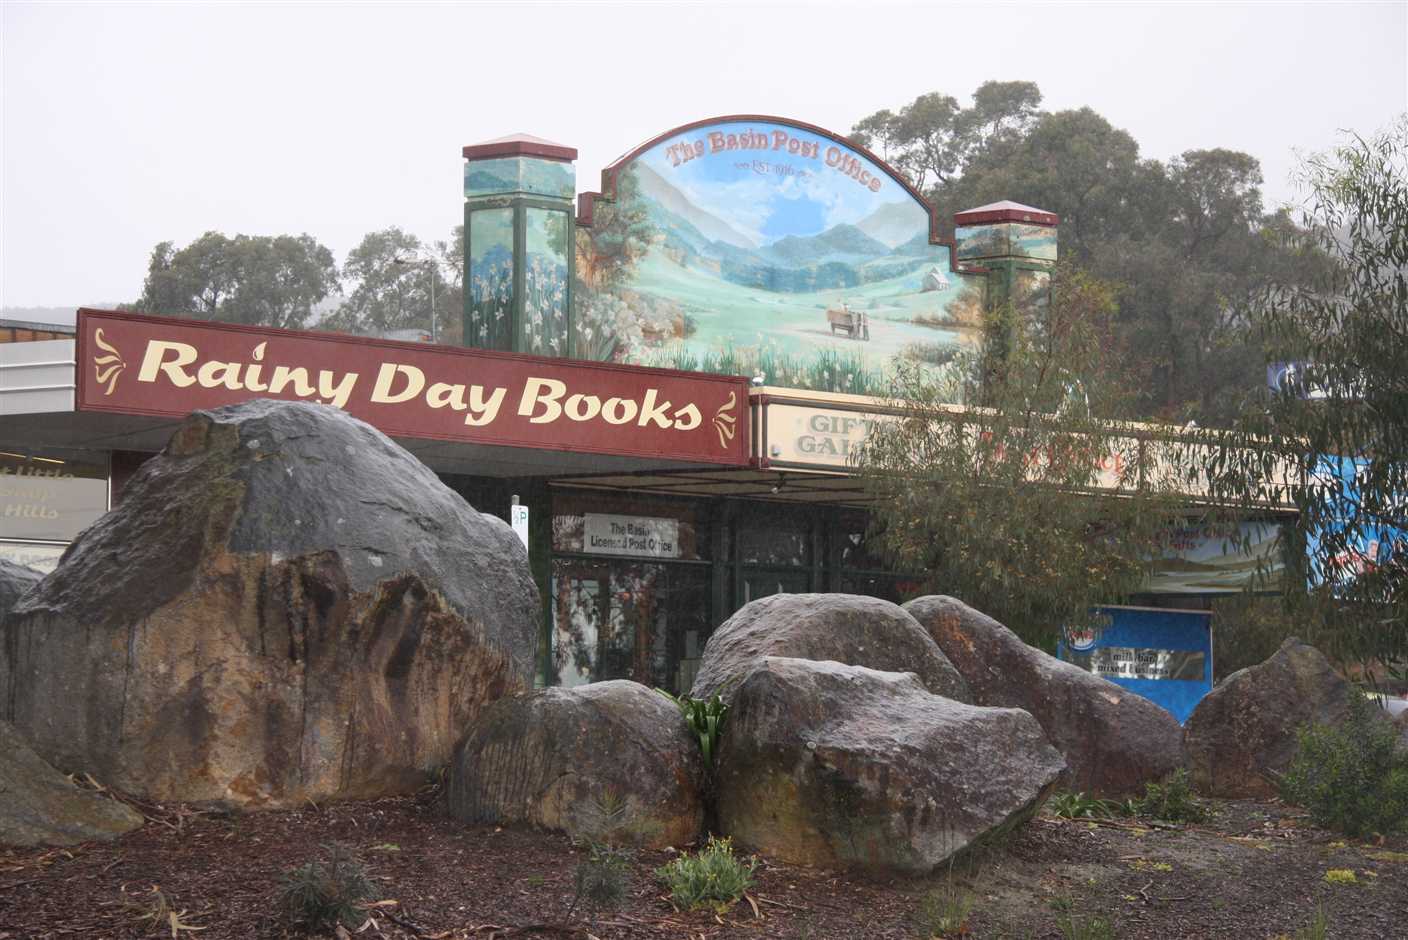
(628, 620)
(51, 494)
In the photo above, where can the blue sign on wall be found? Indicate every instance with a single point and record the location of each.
(1163, 655)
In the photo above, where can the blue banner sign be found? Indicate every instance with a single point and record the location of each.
(1163, 655)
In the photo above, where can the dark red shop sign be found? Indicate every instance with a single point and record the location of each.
(134, 364)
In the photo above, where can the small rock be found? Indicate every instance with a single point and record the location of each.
(838, 766)
(39, 806)
(563, 758)
(843, 628)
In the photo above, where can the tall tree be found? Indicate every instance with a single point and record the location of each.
(257, 280)
(392, 272)
(1345, 432)
(1013, 507)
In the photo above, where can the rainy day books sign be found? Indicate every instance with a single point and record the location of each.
(136, 364)
(766, 247)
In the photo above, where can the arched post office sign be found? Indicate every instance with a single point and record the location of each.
(770, 248)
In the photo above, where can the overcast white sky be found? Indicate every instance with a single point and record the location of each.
(125, 125)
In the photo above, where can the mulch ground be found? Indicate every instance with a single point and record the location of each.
(1257, 871)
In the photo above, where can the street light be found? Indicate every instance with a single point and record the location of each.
(434, 264)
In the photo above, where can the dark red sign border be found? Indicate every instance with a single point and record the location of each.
(737, 383)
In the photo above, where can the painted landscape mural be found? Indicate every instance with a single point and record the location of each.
(753, 248)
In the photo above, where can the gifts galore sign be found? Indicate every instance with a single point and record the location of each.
(135, 364)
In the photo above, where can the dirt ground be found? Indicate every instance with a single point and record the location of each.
(1258, 870)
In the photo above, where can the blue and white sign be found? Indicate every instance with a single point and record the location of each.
(1163, 655)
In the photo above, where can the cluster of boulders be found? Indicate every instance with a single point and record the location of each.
(287, 606)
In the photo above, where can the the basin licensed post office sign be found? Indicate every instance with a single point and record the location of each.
(605, 534)
(135, 364)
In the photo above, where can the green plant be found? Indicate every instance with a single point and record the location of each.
(1171, 800)
(1079, 805)
(326, 892)
(705, 718)
(712, 876)
(1076, 928)
(602, 877)
(1318, 928)
(1351, 776)
(943, 911)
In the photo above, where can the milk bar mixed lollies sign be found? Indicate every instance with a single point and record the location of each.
(136, 364)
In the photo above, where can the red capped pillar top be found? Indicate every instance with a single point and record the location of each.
(520, 145)
(1005, 211)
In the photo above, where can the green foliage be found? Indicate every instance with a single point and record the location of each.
(713, 876)
(1171, 800)
(943, 911)
(1349, 325)
(1078, 805)
(256, 280)
(393, 274)
(326, 892)
(603, 876)
(1351, 776)
(1318, 928)
(706, 719)
(1003, 506)
(1073, 927)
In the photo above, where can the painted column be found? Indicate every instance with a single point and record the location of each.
(518, 245)
(1016, 246)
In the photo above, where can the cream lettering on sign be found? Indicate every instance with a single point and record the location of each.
(483, 411)
(154, 362)
(619, 410)
(444, 395)
(215, 373)
(251, 374)
(652, 413)
(284, 377)
(687, 418)
(386, 380)
(583, 407)
(546, 391)
(336, 394)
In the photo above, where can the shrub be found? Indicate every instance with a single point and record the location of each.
(1350, 776)
(712, 876)
(1171, 800)
(1069, 805)
(943, 912)
(326, 892)
(1075, 928)
(705, 718)
(603, 875)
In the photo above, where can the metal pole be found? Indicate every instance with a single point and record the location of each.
(433, 267)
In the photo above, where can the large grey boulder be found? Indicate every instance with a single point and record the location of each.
(843, 628)
(612, 761)
(1113, 740)
(838, 766)
(15, 581)
(1243, 732)
(285, 606)
(39, 806)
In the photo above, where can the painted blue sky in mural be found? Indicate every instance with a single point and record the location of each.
(778, 181)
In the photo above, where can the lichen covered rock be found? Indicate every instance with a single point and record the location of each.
(837, 766)
(612, 761)
(843, 628)
(1113, 740)
(285, 606)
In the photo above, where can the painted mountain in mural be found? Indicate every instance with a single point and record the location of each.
(843, 255)
(675, 204)
(895, 223)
